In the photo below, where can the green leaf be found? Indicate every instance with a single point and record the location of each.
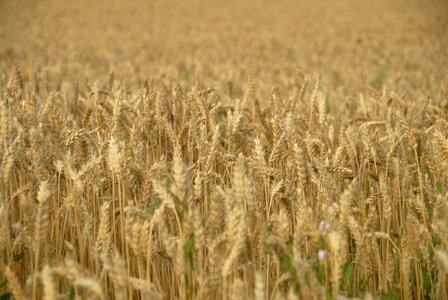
(290, 245)
(426, 280)
(428, 171)
(71, 293)
(19, 255)
(187, 76)
(431, 250)
(362, 287)
(389, 295)
(167, 184)
(431, 209)
(189, 245)
(348, 275)
(419, 254)
(6, 296)
(149, 211)
(367, 187)
(186, 282)
(286, 266)
(179, 204)
(436, 239)
(320, 273)
(327, 103)
(439, 188)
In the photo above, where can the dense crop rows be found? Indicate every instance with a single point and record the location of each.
(223, 150)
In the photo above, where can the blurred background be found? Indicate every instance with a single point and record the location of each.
(350, 44)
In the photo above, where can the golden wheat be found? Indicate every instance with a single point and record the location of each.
(180, 150)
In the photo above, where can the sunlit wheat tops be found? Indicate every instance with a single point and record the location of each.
(213, 159)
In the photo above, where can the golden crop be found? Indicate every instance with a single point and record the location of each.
(224, 149)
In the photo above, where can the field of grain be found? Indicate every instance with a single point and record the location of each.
(205, 149)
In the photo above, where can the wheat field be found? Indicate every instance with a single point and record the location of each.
(245, 149)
